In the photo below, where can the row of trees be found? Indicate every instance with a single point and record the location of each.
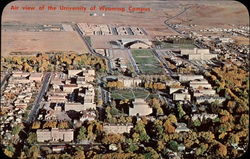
(53, 62)
(51, 124)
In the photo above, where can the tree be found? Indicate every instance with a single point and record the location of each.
(63, 125)
(65, 156)
(160, 146)
(79, 155)
(221, 150)
(172, 118)
(132, 147)
(173, 145)
(140, 129)
(50, 124)
(32, 138)
(207, 135)
(158, 129)
(112, 139)
(233, 139)
(34, 152)
(91, 135)
(197, 122)
(244, 120)
(9, 150)
(180, 110)
(82, 134)
(200, 150)
(36, 125)
(152, 154)
(169, 128)
(16, 129)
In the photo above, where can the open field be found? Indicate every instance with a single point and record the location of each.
(147, 62)
(203, 12)
(41, 42)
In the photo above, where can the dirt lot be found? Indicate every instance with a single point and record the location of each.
(41, 42)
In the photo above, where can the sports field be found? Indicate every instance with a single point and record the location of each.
(146, 62)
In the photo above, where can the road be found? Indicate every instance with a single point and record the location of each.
(165, 66)
(3, 82)
(36, 104)
(169, 26)
(91, 50)
(87, 144)
(132, 61)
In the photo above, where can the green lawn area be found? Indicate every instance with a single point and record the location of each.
(129, 94)
(146, 62)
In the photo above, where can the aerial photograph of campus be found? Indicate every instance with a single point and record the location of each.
(124, 79)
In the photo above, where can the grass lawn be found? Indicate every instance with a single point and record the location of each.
(129, 94)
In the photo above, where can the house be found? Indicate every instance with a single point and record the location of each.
(140, 107)
(129, 82)
(181, 127)
(19, 80)
(58, 148)
(69, 88)
(198, 54)
(175, 89)
(57, 98)
(20, 74)
(203, 116)
(36, 77)
(73, 106)
(117, 128)
(181, 147)
(21, 105)
(88, 74)
(55, 135)
(209, 99)
(181, 96)
(172, 82)
(87, 115)
(72, 73)
(194, 51)
(199, 83)
(201, 92)
(184, 77)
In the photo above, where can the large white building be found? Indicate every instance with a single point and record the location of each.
(198, 54)
(181, 96)
(117, 128)
(183, 77)
(129, 82)
(140, 107)
(55, 135)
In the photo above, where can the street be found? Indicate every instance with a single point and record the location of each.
(91, 50)
(36, 104)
